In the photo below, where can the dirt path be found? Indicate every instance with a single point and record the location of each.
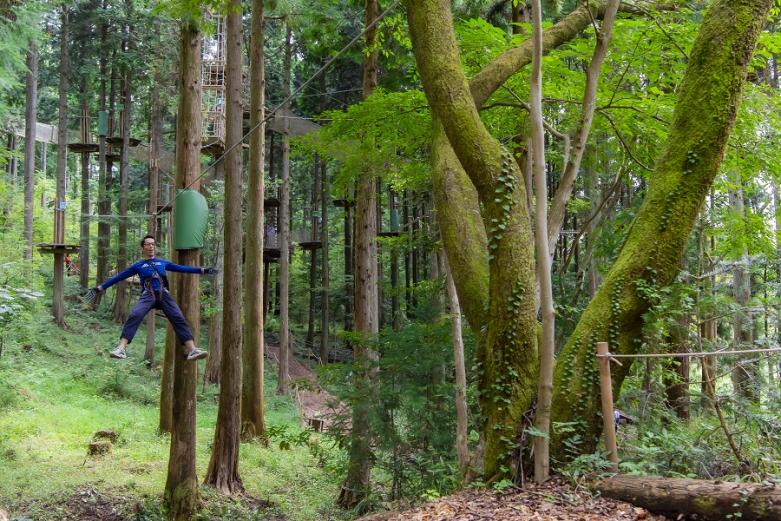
(317, 406)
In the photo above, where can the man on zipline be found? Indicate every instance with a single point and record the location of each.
(154, 294)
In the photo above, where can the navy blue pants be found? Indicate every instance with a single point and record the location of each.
(161, 300)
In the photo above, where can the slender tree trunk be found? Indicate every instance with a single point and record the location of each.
(324, 293)
(567, 182)
(284, 238)
(155, 142)
(223, 471)
(253, 351)
(357, 483)
(547, 348)
(315, 231)
(105, 173)
(58, 307)
(702, 122)
(677, 382)
(13, 163)
(84, 256)
(181, 487)
(743, 375)
(348, 267)
(213, 363)
(394, 267)
(462, 419)
(120, 304)
(30, 120)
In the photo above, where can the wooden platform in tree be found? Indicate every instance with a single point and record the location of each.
(117, 141)
(164, 208)
(270, 202)
(83, 148)
(388, 234)
(310, 245)
(212, 146)
(50, 248)
(343, 203)
(271, 254)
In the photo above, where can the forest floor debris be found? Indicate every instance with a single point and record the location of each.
(551, 501)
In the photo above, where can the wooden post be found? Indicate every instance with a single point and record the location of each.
(606, 388)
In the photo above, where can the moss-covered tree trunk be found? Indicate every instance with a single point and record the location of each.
(507, 351)
(704, 116)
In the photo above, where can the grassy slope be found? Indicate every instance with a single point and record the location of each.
(56, 393)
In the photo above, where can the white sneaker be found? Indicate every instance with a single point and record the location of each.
(119, 352)
(196, 354)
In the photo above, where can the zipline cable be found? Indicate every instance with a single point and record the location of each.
(286, 100)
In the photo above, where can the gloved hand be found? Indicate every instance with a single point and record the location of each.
(210, 271)
(90, 296)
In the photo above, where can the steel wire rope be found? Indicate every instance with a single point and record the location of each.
(285, 101)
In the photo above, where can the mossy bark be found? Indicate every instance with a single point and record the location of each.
(508, 352)
(703, 120)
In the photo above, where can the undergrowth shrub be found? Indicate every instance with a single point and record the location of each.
(412, 410)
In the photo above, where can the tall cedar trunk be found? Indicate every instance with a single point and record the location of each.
(120, 304)
(462, 418)
(167, 381)
(252, 375)
(30, 120)
(13, 163)
(104, 176)
(84, 257)
(212, 373)
(155, 142)
(348, 267)
(58, 307)
(357, 483)
(378, 214)
(394, 267)
(284, 237)
(507, 350)
(707, 326)
(223, 471)
(181, 487)
(324, 294)
(702, 122)
(743, 371)
(314, 225)
(676, 381)
(547, 347)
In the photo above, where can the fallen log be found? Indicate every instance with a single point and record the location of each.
(698, 499)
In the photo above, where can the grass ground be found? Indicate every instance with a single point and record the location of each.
(57, 388)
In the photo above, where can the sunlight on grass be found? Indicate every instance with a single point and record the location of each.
(58, 392)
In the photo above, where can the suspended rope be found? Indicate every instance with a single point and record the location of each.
(286, 100)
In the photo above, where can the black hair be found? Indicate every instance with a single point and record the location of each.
(147, 236)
